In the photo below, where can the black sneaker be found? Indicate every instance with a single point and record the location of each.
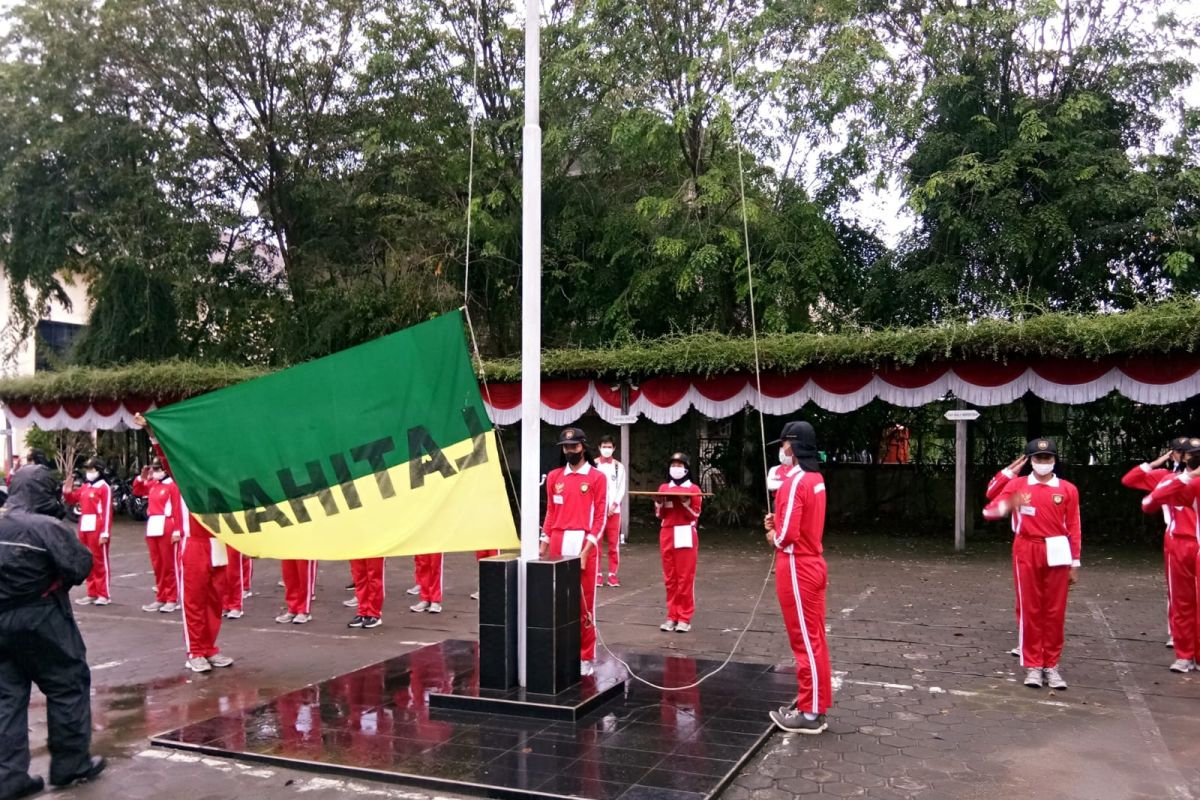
(795, 722)
(357, 622)
(371, 622)
(349, 587)
(94, 768)
(33, 785)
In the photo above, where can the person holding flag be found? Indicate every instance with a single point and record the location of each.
(95, 527)
(618, 479)
(576, 506)
(678, 541)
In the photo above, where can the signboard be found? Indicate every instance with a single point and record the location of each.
(962, 415)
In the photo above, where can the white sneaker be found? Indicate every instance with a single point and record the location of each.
(101, 601)
(683, 627)
(435, 608)
(1170, 641)
(168, 608)
(586, 668)
(1033, 678)
(220, 661)
(84, 601)
(1183, 665)
(1015, 652)
(234, 613)
(247, 593)
(1054, 679)
(198, 664)
(300, 619)
(668, 626)
(351, 603)
(280, 583)
(285, 618)
(419, 607)
(474, 595)
(415, 591)
(155, 606)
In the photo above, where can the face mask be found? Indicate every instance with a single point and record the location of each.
(784, 458)
(158, 474)
(91, 475)
(1043, 469)
(677, 473)
(606, 452)
(574, 458)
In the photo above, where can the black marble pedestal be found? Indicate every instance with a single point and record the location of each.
(498, 622)
(552, 616)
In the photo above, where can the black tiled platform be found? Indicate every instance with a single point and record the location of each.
(589, 695)
(376, 723)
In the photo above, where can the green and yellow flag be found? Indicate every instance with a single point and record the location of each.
(384, 449)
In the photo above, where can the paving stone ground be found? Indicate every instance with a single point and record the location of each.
(928, 702)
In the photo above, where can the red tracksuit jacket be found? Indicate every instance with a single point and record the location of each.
(1177, 493)
(576, 500)
(95, 502)
(1040, 510)
(800, 513)
(1180, 519)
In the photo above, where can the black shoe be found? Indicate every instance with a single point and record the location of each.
(33, 786)
(372, 622)
(795, 722)
(349, 587)
(357, 622)
(95, 767)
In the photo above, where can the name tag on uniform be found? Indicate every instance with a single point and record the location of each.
(87, 523)
(155, 525)
(1058, 551)
(557, 499)
(683, 537)
(220, 555)
(1027, 511)
(572, 543)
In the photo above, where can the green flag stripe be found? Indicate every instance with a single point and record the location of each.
(326, 422)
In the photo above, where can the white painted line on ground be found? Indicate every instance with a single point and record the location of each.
(858, 601)
(1173, 780)
(107, 665)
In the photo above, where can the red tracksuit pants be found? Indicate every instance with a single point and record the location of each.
(1043, 603)
(237, 579)
(368, 585)
(97, 579)
(679, 574)
(1167, 572)
(202, 589)
(429, 576)
(164, 560)
(800, 583)
(1181, 577)
(299, 583)
(587, 600)
(610, 537)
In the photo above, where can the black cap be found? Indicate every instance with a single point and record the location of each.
(1041, 447)
(1179, 443)
(156, 463)
(572, 436)
(93, 463)
(1193, 446)
(682, 458)
(799, 431)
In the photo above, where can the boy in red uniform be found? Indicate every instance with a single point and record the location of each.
(1046, 549)
(576, 502)
(678, 542)
(164, 531)
(95, 528)
(795, 530)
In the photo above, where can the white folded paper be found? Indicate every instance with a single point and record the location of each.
(155, 525)
(220, 556)
(572, 544)
(1058, 551)
(87, 523)
(683, 536)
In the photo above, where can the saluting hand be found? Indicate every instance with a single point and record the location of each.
(1016, 465)
(1158, 462)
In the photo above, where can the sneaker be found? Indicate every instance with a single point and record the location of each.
(101, 601)
(372, 622)
(169, 608)
(586, 668)
(285, 618)
(357, 622)
(300, 619)
(350, 587)
(599, 579)
(795, 722)
(668, 626)
(219, 660)
(1033, 678)
(247, 593)
(155, 606)
(198, 664)
(613, 580)
(414, 591)
(1170, 641)
(683, 627)
(1054, 679)
(84, 601)
(435, 608)
(351, 603)
(474, 595)
(234, 613)
(280, 584)
(419, 607)
(1183, 665)
(1015, 652)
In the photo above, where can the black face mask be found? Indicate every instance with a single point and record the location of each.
(574, 458)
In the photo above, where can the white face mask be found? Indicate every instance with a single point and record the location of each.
(784, 458)
(677, 473)
(158, 474)
(606, 452)
(1043, 469)
(91, 475)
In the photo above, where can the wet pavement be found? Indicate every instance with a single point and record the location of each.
(928, 703)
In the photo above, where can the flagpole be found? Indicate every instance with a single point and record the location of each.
(531, 321)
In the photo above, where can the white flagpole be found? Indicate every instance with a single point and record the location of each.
(531, 321)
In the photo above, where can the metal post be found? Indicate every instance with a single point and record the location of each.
(960, 484)
(626, 459)
(531, 322)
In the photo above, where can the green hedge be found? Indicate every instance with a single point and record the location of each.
(1167, 328)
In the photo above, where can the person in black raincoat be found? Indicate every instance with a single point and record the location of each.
(40, 560)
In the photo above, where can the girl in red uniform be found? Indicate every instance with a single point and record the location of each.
(95, 527)
(678, 542)
(795, 530)
(1177, 494)
(164, 532)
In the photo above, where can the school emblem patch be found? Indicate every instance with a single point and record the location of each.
(1058, 499)
(558, 487)
(584, 488)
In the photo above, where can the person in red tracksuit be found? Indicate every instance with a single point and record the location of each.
(299, 584)
(678, 542)
(1046, 549)
(795, 530)
(618, 479)
(368, 592)
(1145, 477)
(237, 583)
(429, 582)
(576, 502)
(95, 528)
(164, 532)
(1178, 494)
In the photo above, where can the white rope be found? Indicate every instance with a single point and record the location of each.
(762, 429)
